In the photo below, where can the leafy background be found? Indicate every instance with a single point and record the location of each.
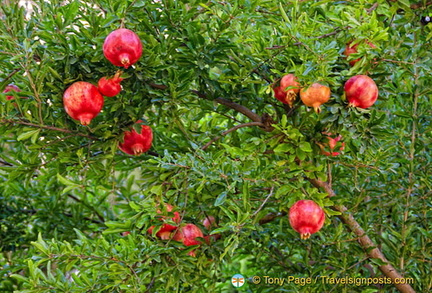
(67, 193)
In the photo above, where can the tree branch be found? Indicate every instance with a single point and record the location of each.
(368, 245)
(20, 122)
(270, 217)
(265, 119)
(231, 130)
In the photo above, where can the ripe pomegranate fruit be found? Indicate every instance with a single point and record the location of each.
(332, 142)
(315, 95)
(13, 88)
(82, 101)
(166, 229)
(353, 49)
(306, 217)
(361, 91)
(288, 89)
(188, 234)
(110, 87)
(122, 47)
(279, 93)
(210, 222)
(135, 143)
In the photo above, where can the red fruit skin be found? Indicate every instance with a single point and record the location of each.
(287, 96)
(361, 91)
(166, 229)
(306, 217)
(122, 47)
(210, 222)
(279, 94)
(315, 95)
(353, 49)
(187, 234)
(290, 80)
(9, 88)
(110, 87)
(82, 101)
(332, 144)
(135, 143)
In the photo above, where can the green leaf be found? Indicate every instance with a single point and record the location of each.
(28, 134)
(65, 181)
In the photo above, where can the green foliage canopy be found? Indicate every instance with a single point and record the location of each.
(223, 146)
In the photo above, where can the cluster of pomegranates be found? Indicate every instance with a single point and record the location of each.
(83, 101)
(186, 233)
(305, 216)
(360, 91)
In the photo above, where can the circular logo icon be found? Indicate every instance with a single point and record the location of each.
(237, 280)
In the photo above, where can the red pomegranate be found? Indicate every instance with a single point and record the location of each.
(82, 101)
(353, 49)
(332, 142)
(209, 223)
(12, 88)
(279, 93)
(188, 234)
(361, 91)
(110, 87)
(306, 217)
(315, 95)
(122, 47)
(135, 143)
(166, 229)
(288, 89)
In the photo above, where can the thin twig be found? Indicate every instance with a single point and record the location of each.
(47, 127)
(270, 217)
(264, 202)
(231, 130)
(11, 74)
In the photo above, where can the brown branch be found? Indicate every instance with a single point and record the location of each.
(4, 163)
(264, 202)
(11, 74)
(375, 6)
(239, 108)
(420, 5)
(265, 119)
(47, 127)
(368, 245)
(270, 217)
(231, 130)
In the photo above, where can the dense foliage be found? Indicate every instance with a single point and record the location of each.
(222, 146)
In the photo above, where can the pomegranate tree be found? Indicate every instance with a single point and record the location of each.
(122, 47)
(166, 229)
(361, 91)
(110, 87)
(135, 143)
(306, 217)
(315, 95)
(82, 101)
(288, 89)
